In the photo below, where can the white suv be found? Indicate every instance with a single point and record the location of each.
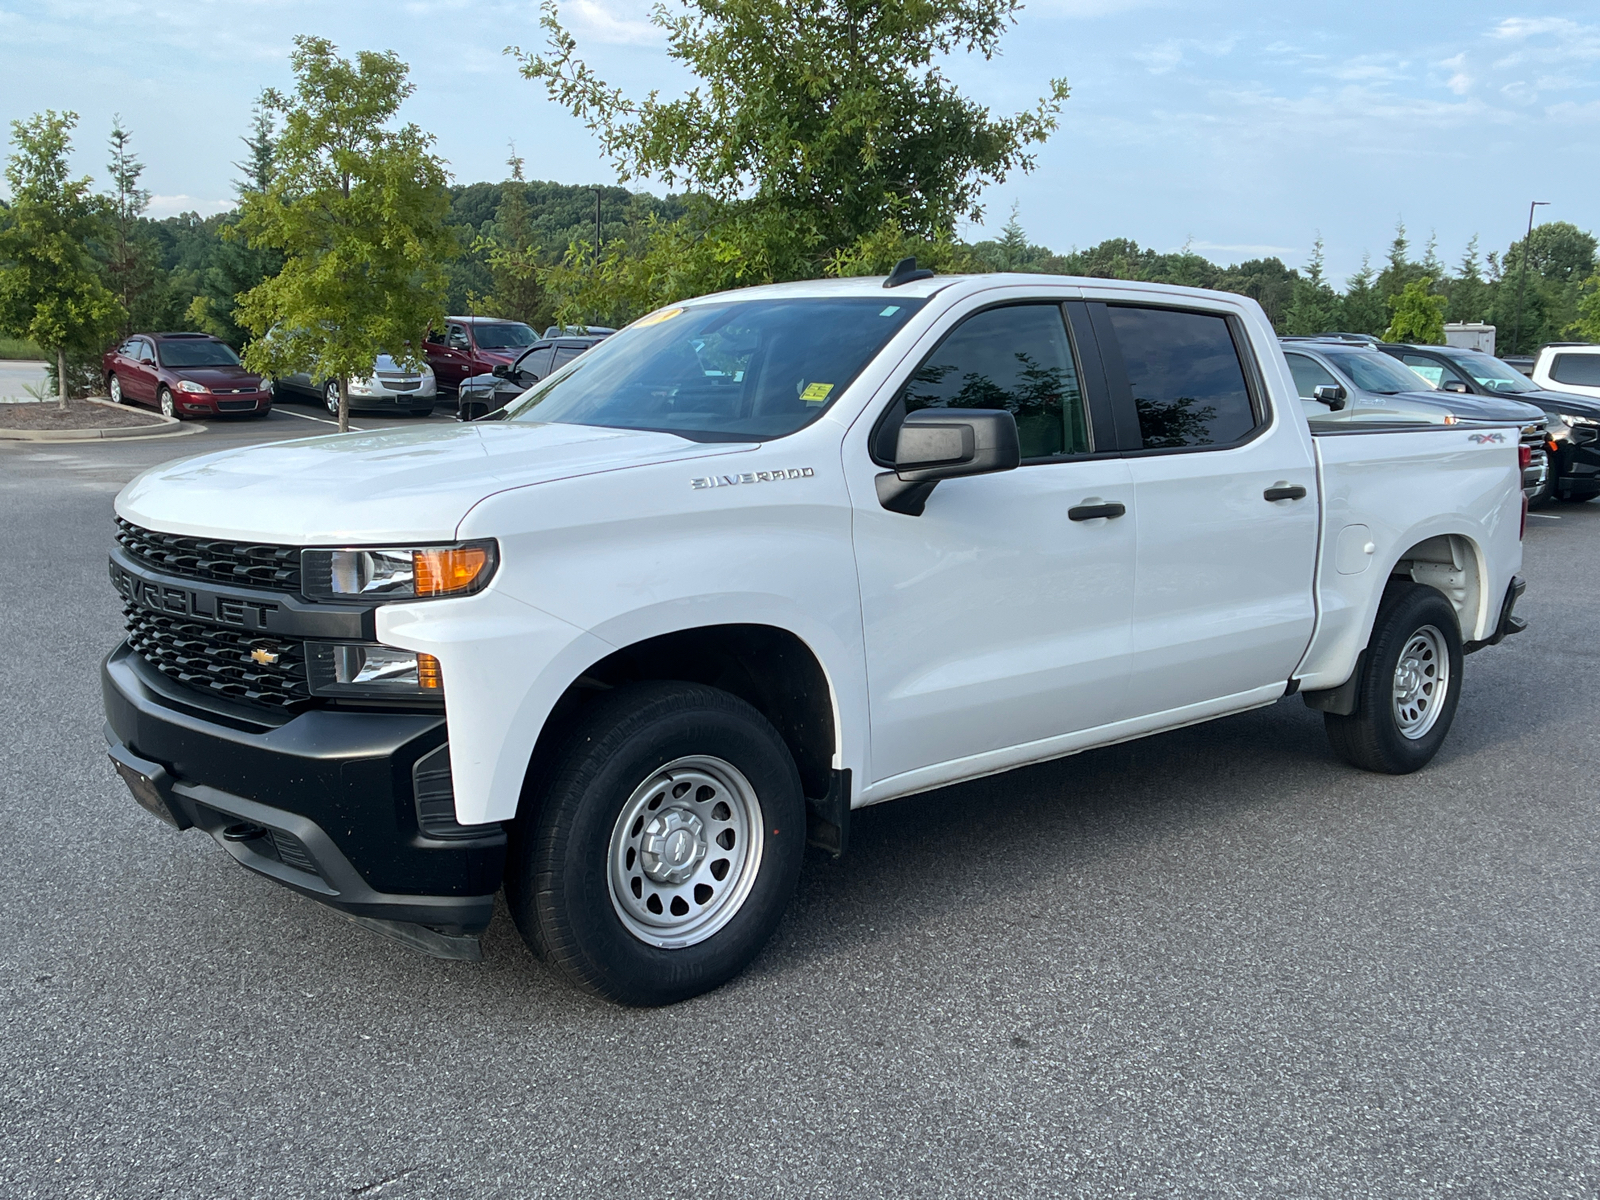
(1569, 367)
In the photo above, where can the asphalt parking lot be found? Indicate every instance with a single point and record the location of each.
(1217, 962)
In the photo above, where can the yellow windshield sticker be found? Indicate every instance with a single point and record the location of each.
(816, 393)
(655, 318)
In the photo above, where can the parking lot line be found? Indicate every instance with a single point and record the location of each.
(320, 420)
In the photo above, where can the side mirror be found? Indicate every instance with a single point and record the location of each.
(501, 370)
(1331, 394)
(472, 410)
(1454, 385)
(945, 443)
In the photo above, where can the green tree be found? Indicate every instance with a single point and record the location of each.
(50, 287)
(1362, 308)
(1398, 269)
(357, 209)
(1314, 304)
(131, 257)
(819, 131)
(1418, 315)
(231, 264)
(1469, 292)
(511, 251)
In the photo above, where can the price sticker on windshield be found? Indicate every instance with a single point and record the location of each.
(655, 318)
(816, 393)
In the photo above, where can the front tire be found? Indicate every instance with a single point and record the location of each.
(168, 407)
(114, 388)
(330, 396)
(665, 847)
(1411, 683)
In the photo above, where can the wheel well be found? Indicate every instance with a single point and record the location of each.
(770, 669)
(1449, 563)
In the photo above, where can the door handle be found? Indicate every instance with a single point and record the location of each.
(1294, 492)
(1088, 512)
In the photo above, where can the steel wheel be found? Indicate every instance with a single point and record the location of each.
(1421, 682)
(168, 408)
(116, 391)
(330, 394)
(685, 851)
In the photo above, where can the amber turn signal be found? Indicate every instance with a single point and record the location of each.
(429, 677)
(447, 570)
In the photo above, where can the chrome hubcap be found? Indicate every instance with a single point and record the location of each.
(685, 852)
(333, 398)
(1421, 682)
(116, 390)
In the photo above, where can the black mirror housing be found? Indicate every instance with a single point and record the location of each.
(501, 371)
(1331, 394)
(945, 443)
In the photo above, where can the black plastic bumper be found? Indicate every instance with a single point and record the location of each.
(322, 802)
(1509, 623)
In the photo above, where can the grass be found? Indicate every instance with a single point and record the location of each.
(17, 348)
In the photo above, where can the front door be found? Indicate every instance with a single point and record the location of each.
(452, 360)
(995, 619)
(1228, 508)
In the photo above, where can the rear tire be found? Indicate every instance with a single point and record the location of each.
(665, 846)
(1411, 683)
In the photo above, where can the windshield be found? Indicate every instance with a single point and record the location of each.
(1374, 372)
(742, 371)
(1491, 373)
(197, 354)
(507, 336)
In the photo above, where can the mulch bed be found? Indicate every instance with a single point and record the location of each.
(79, 415)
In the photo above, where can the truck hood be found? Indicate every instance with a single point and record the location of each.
(399, 484)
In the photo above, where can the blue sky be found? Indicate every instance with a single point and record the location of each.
(1239, 128)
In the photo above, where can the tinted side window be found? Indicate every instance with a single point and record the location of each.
(458, 338)
(1188, 384)
(1580, 370)
(1309, 375)
(537, 362)
(565, 354)
(1017, 358)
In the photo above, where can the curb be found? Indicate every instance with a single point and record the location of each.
(163, 427)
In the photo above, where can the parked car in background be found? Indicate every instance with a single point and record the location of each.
(469, 346)
(1344, 383)
(1571, 367)
(1572, 437)
(484, 394)
(1519, 362)
(184, 375)
(391, 388)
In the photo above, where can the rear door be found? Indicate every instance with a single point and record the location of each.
(143, 375)
(1227, 499)
(452, 359)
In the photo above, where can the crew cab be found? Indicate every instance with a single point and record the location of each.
(482, 394)
(757, 561)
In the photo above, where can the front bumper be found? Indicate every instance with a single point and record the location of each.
(324, 802)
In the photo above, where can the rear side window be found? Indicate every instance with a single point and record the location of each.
(1580, 370)
(1309, 375)
(537, 361)
(1017, 358)
(565, 354)
(1188, 383)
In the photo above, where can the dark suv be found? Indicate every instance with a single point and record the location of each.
(1574, 421)
(184, 375)
(491, 392)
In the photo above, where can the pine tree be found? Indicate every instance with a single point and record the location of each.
(131, 258)
(1362, 308)
(1314, 305)
(1468, 292)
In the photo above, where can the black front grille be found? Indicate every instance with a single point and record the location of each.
(219, 660)
(235, 405)
(248, 564)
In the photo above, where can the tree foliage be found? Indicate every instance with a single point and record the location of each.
(821, 136)
(357, 209)
(1417, 315)
(51, 286)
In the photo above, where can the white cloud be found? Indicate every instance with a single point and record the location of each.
(1243, 248)
(614, 24)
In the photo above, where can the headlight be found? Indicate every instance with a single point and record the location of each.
(407, 573)
(1572, 420)
(360, 387)
(365, 670)
(189, 385)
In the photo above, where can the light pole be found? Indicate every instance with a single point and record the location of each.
(1522, 277)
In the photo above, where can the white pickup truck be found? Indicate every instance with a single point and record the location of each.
(764, 558)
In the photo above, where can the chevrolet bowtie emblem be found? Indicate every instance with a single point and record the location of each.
(264, 656)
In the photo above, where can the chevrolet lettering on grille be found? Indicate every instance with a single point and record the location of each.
(164, 598)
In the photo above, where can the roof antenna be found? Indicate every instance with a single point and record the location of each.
(905, 271)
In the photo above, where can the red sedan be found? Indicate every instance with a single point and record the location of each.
(184, 375)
